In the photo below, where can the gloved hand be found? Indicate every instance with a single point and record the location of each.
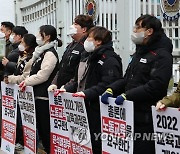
(105, 95)
(22, 86)
(160, 106)
(52, 88)
(79, 94)
(61, 90)
(120, 99)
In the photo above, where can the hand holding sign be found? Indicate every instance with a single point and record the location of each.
(160, 106)
(105, 95)
(58, 91)
(22, 86)
(120, 99)
(52, 87)
(79, 94)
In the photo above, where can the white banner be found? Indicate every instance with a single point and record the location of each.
(117, 127)
(60, 142)
(167, 130)
(9, 112)
(78, 126)
(28, 115)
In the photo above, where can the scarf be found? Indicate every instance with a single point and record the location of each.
(40, 49)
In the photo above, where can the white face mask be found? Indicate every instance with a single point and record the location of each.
(2, 35)
(21, 47)
(11, 38)
(39, 41)
(89, 46)
(137, 38)
(72, 30)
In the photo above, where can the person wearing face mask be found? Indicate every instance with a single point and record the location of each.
(11, 60)
(44, 68)
(72, 54)
(146, 79)
(102, 67)
(23, 66)
(5, 32)
(26, 48)
(6, 29)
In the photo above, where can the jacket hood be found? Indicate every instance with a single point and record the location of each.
(163, 43)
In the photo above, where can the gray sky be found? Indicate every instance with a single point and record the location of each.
(7, 10)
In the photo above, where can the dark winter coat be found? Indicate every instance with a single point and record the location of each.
(147, 77)
(69, 62)
(13, 58)
(104, 67)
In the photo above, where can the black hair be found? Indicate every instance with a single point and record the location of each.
(149, 21)
(8, 25)
(30, 40)
(84, 21)
(20, 30)
(50, 30)
(101, 34)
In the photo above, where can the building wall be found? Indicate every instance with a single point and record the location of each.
(116, 15)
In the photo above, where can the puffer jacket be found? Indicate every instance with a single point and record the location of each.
(147, 76)
(70, 61)
(13, 58)
(103, 68)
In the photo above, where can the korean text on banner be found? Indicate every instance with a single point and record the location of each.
(78, 126)
(60, 142)
(117, 127)
(28, 115)
(9, 112)
(167, 130)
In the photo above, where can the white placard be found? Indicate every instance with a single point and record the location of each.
(60, 142)
(167, 130)
(28, 115)
(9, 112)
(117, 127)
(78, 126)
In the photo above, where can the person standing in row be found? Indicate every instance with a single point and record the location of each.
(6, 29)
(101, 67)
(26, 48)
(146, 79)
(10, 61)
(72, 54)
(44, 68)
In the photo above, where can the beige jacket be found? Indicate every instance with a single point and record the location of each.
(19, 78)
(47, 66)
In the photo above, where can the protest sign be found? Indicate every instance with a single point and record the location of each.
(60, 142)
(9, 112)
(167, 130)
(28, 115)
(78, 126)
(117, 127)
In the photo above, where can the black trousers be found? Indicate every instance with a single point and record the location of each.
(19, 128)
(143, 127)
(43, 122)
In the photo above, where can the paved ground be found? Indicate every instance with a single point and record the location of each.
(40, 151)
